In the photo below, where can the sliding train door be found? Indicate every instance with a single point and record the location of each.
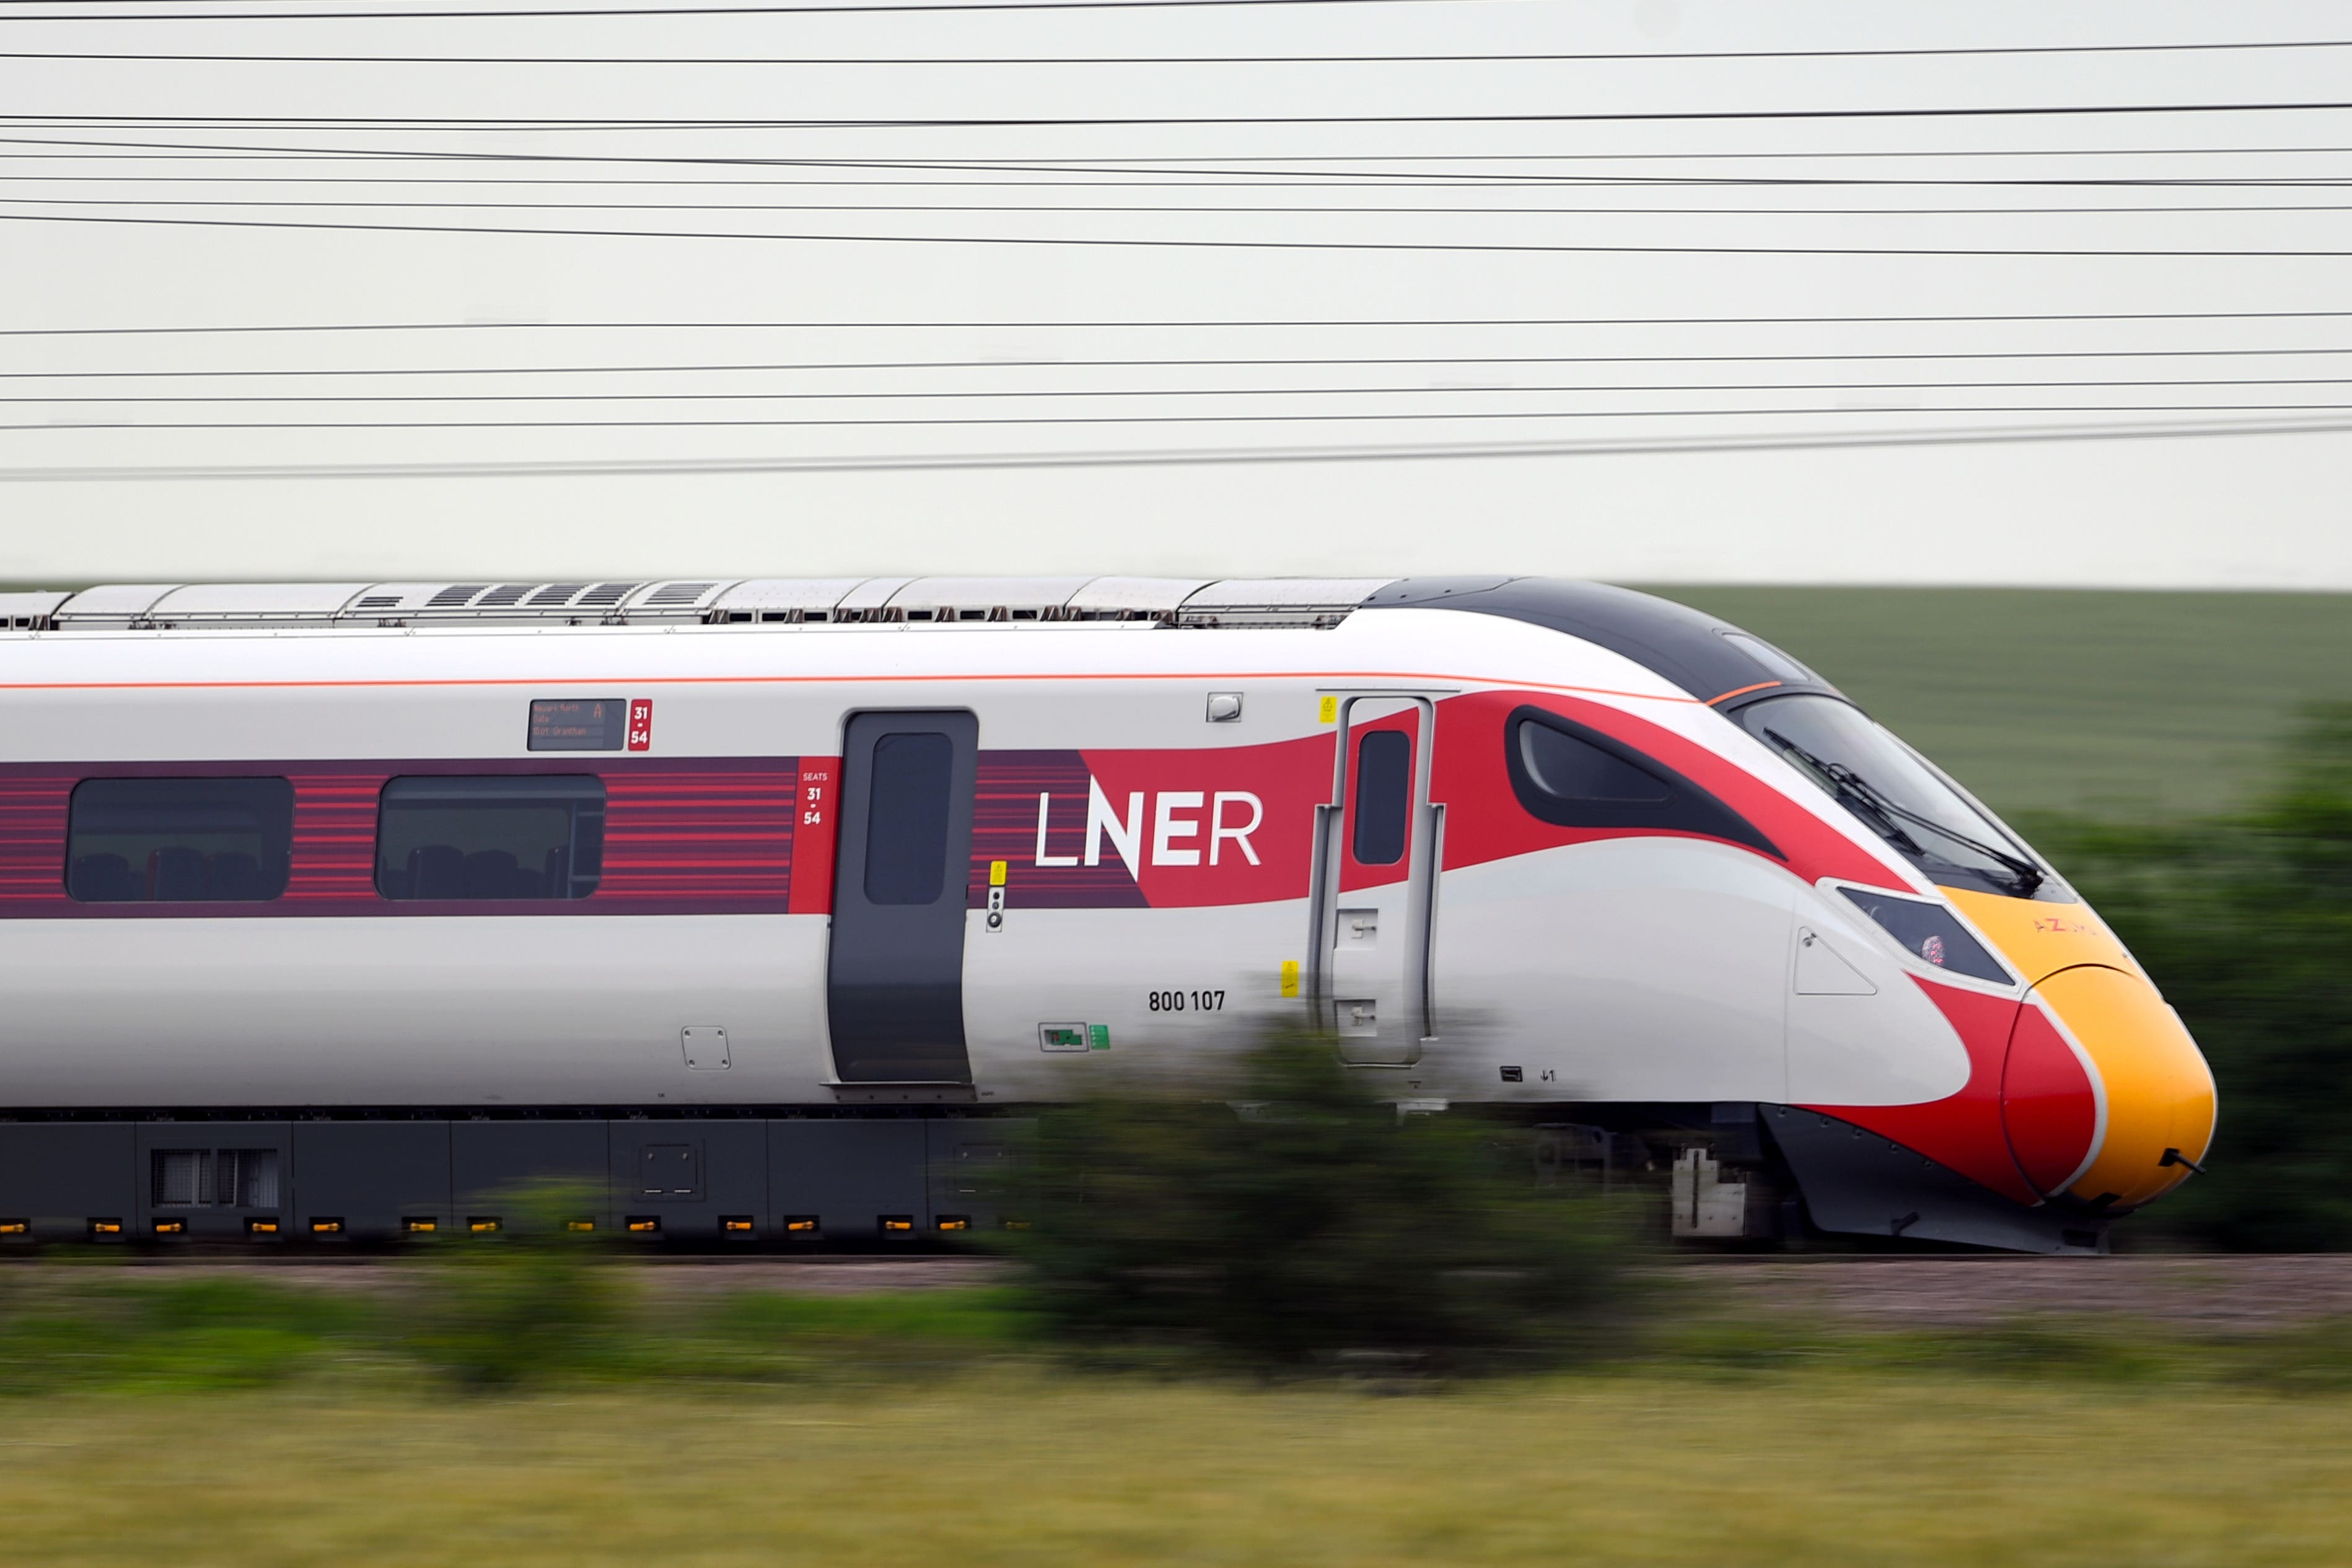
(894, 982)
(1376, 859)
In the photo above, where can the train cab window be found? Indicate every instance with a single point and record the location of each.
(505, 836)
(179, 840)
(907, 818)
(1383, 796)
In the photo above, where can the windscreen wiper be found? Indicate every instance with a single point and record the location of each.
(2026, 874)
(1863, 801)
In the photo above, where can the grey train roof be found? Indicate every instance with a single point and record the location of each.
(1708, 658)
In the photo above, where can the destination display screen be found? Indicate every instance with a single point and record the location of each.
(578, 723)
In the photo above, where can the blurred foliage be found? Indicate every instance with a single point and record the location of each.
(1283, 1217)
(2245, 923)
(124, 1330)
(520, 1306)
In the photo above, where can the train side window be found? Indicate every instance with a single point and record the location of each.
(1574, 776)
(501, 836)
(179, 840)
(907, 818)
(1568, 768)
(1383, 796)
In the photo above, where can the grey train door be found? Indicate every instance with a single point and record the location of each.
(894, 982)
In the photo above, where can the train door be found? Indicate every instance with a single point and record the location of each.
(894, 980)
(1376, 859)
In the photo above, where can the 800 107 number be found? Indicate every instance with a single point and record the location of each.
(1187, 1001)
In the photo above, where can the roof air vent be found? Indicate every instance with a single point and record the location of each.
(678, 592)
(452, 596)
(605, 594)
(556, 593)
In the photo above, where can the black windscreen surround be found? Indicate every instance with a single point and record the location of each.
(1574, 776)
(907, 818)
(501, 836)
(1383, 796)
(179, 840)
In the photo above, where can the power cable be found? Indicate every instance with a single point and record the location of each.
(1295, 323)
(886, 7)
(1091, 393)
(1092, 209)
(1298, 362)
(1636, 56)
(1089, 122)
(1167, 457)
(1127, 243)
(1171, 418)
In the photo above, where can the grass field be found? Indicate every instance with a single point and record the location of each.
(2053, 700)
(151, 1414)
(1029, 1469)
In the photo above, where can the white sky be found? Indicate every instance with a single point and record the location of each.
(83, 502)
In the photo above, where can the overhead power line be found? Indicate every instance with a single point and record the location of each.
(1092, 393)
(1135, 242)
(1031, 122)
(1193, 166)
(1189, 325)
(1168, 457)
(1094, 209)
(1629, 58)
(1145, 419)
(1228, 364)
(883, 7)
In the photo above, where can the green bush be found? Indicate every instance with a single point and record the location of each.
(2246, 925)
(1286, 1219)
(533, 1302)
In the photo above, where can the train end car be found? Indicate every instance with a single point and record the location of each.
(771, 910)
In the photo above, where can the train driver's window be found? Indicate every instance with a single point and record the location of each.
(502, 836)
(1383, 796)
(179, 840)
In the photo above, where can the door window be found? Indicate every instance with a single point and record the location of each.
(1383, 796)
(907, 819)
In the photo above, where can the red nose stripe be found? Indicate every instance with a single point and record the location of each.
(2047, 1104)
(1962, 1131)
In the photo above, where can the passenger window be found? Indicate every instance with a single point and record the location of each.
(1383, 796)
(501, 836)
(907, 819)
(179, 840)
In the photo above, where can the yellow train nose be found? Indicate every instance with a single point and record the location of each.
(2159, 1091)
(2154, 1091)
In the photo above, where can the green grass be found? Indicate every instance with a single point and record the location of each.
(2115, 704)
(1023, 1468)
(147, 1416)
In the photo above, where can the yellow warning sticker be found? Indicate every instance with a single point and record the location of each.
(1290, 976)
(1331, 711)
(996, 874)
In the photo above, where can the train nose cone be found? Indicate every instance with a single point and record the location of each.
(2158, 1091)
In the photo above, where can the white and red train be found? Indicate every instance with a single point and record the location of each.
(765, 906)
